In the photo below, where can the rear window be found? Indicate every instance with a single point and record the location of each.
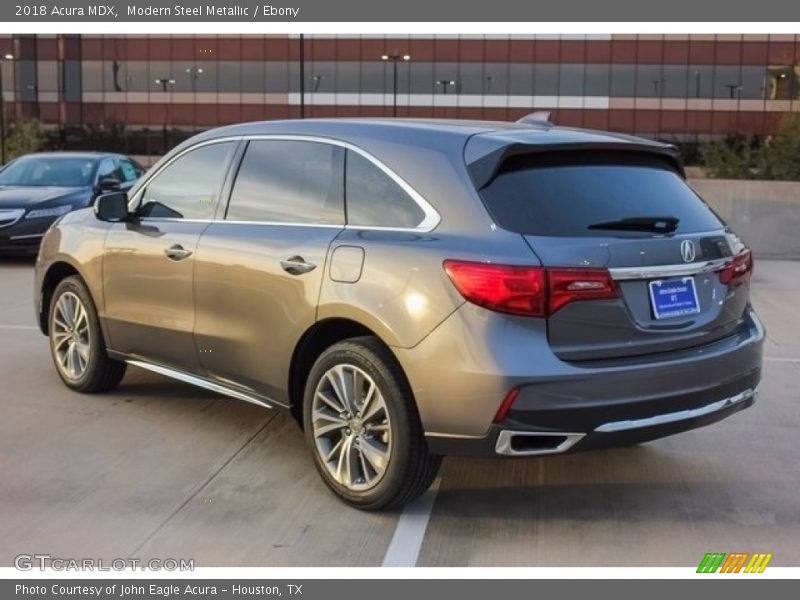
(566, 193)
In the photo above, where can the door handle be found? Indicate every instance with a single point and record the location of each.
(296, 265)
(177, 252)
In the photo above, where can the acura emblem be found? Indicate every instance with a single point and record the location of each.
(688, 252)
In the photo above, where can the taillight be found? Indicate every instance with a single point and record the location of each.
(569, 285)
(504, 288)
(529, 291)
(738, 271)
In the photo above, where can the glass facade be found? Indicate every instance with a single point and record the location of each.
(674, 87)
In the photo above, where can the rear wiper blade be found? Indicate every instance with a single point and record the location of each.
(658, 224)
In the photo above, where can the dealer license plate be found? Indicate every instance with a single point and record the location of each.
(674, 297)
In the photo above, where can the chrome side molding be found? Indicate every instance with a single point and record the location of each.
(680, 415)
(199, 382)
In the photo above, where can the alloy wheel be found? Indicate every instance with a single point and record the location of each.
(351, 427)
(70, 336)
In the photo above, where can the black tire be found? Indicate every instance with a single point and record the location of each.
(101, 373)
(411, 467)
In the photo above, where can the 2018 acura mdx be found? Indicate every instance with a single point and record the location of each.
(411, 289)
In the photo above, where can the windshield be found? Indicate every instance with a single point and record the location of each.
(55, 171)
(585, 194)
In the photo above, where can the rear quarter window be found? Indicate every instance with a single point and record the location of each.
(564, 193)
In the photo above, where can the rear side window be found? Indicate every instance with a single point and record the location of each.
(376, 200)
(568, 194)
(288, 181)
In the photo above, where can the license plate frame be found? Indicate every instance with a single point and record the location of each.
(676, 297)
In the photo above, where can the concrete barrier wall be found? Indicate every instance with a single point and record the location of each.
(765, 214)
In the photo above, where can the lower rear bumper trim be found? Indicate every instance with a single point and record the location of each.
(676, 416)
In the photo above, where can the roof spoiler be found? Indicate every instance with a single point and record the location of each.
(484, 168)
(538, 117)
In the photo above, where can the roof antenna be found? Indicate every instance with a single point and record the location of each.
(539, 117)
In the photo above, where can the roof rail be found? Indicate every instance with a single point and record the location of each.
(539, 117)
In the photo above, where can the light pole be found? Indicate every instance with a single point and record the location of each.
(3, 58)
(194, 73)
(445, 83)
(733, 88)
(395, 58)
(164, 82)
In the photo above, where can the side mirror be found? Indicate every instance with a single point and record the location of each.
(108, 184)
(112, 207)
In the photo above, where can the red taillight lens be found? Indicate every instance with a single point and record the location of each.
(530, 291)
(504, 288)
(738, 270)
(569, 285)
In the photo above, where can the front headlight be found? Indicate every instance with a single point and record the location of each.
(56, 211)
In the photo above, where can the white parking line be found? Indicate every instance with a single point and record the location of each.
(23, 327)
(409, 534)
(781, 359)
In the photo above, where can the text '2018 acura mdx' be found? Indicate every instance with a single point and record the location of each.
(412, 289)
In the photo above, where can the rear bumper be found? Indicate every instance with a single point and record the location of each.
(565, 407)
(513, 440)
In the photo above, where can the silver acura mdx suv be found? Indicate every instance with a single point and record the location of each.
(412, 289)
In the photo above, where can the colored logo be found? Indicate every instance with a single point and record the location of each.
(736, 562)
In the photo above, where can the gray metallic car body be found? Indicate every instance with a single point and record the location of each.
(233, 320)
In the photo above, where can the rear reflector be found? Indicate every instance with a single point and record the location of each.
(529, 291)
(508, 401)
(738, 270)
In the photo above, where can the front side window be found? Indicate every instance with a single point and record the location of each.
(188, 188)
(374, 199)
(108, 170)
(288, 181)
(129, 171)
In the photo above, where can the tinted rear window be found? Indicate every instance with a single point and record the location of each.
(562, 194)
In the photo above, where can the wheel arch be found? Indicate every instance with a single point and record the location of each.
(56, 272)
(319, 337)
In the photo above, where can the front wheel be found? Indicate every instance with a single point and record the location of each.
(362, 426)
(76, 342)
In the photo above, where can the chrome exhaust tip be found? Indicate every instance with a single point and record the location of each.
(535, 443)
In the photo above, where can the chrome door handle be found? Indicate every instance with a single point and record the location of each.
(177, 252)
(296, 265)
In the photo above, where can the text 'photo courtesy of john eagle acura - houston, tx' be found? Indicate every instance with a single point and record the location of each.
(411, 289)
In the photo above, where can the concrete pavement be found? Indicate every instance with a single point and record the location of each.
(161, 469)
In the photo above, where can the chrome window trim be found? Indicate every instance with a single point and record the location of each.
(680, 415)
(223, 221)
(428, 223)
(664, 271)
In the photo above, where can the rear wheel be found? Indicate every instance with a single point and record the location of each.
(76, 341)
(363, 429)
